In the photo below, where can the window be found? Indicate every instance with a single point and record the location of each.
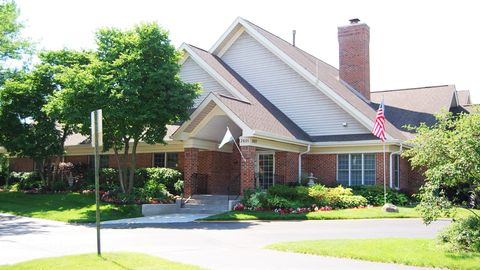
(159, 160)
(342, 170)
(396, 171)
(356, 169)
(172, 160)
(165, 160)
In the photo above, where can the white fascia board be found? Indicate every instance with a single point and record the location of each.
(230, 42)
(213, 73)
(219, 42)
(211, 97)
(367, 122)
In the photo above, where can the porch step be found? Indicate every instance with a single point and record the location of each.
(206, 204)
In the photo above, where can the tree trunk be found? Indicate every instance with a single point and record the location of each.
(133, 164)
(120, 170)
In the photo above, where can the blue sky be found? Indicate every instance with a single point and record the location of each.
(413, 43)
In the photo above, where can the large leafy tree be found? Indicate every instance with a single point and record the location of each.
(27, 128)
(12, 45)
(449, 154)
(133, 77)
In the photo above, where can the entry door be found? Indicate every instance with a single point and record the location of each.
(265, 170)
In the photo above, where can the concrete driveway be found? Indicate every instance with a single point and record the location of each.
(219, 245)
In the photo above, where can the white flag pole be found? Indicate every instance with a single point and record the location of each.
(384, 176)
(235, 142)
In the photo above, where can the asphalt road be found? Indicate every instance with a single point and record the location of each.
(213, 245)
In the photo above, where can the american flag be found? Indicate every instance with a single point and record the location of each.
(379, 127)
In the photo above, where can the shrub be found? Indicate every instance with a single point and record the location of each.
(349, 201)
(278, 202)
(25, 180)
(255, 199)
(4, 169)
(374, 195)
(153, 190)
(178, 186)
(462, 235)
(300, 194)
(167, 177)
(318, 193)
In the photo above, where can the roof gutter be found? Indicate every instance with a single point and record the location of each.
(300, 164)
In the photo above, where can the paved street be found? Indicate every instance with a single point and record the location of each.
(219, 245)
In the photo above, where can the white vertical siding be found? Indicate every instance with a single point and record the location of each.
(191, 72)
(309, 108)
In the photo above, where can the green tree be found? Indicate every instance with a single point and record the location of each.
(133, 77)
(12, 45)
(449, 154)
(27, 128)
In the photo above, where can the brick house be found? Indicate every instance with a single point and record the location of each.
(291, 113)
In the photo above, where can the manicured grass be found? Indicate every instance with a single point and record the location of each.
(373, 212)
(108, 261)
(410, 251)
(364, 213)
(67, 207)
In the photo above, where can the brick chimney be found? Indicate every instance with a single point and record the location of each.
(353, 41)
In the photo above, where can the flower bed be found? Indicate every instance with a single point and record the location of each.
(299, 210)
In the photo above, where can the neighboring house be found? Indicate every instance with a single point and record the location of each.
(292, 114)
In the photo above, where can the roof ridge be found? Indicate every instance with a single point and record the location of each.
(413, 88)
(297, 48)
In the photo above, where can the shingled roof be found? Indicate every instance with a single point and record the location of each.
(258, 113)
(413, 106)
(329, 75)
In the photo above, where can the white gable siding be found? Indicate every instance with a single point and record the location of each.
(307, 106)
(191, 72)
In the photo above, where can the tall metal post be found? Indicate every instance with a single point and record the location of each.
(97, 182)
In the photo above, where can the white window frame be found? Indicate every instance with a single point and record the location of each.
(257, 165)
(396, 159)
(350, 167)
(164, 158)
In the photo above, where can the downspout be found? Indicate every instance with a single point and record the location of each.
(300, 164)
(391, 163)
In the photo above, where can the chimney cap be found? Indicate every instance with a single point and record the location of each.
(354, 21)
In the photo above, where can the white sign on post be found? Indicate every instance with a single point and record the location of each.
(100, 128)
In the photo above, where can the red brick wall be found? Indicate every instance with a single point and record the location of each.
(353, 41)
(181, 161)
(21, 165)
(286, 166)
(77, 159)
(247, 174)
(379, 168)
(144, 160)
(324, 167)
(218, 167)
(190, 167)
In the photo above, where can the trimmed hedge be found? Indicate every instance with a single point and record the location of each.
(374, 195)
(281, 196)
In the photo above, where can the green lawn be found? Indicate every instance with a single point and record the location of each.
(108, 261)
(364, 213)
(410, 251)
(67, 207)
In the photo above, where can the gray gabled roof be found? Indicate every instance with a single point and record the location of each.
(329, 75)
(413, 106)
(259, 113)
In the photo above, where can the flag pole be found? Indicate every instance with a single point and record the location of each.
(235, 142)
(384, 176)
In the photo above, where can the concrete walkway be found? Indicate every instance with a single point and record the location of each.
(213, 245)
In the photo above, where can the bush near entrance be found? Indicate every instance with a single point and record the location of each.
(284, 198)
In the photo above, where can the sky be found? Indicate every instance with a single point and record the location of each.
(413, 43)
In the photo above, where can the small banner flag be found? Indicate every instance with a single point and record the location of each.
(227, 138)
(379, 126)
